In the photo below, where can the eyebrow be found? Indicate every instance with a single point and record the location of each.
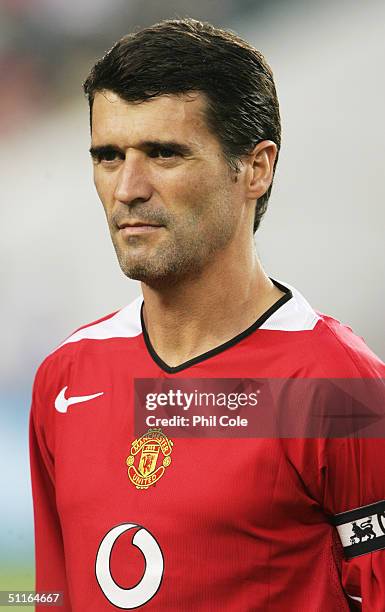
(177, 147)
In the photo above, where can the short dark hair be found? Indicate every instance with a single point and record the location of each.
(184, 55)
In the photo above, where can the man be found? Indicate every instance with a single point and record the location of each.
(185, 135)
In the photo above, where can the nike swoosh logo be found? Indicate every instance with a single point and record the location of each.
(62, 403)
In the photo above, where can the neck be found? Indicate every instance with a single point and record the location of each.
(187, 319)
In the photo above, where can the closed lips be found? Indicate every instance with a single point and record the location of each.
(137, 224)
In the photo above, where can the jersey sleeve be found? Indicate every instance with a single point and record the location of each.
(354, 499)
(338, 455)
(346, 480)
(49, 549)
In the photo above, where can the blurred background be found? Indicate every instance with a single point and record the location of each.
(323, 233)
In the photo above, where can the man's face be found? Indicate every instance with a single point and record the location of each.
(169, 196)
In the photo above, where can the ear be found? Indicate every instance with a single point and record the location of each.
(260, 164)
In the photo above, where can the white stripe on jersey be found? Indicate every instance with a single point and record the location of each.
(124, 324)
(295, 315)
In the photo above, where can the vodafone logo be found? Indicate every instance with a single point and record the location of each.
(148, 585)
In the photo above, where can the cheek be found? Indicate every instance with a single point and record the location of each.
(193, 193)
(103, 183)
(105, 187)
(205, 195)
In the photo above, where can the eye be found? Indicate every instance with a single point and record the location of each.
(109, 156)
(162, 152)
(106, 156)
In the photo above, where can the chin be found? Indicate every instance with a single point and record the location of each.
(142, 271)
(163, 267)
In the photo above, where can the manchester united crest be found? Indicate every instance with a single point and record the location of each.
(149, 458)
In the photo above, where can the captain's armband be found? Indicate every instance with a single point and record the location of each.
(362, 530)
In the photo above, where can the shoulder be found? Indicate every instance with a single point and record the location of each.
(319, 344)
(124, 323)
(338, 339)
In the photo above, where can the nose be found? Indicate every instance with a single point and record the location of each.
(133, 183)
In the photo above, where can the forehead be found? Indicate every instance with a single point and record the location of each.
(171, 117)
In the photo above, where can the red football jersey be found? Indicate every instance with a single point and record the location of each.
(127, 520)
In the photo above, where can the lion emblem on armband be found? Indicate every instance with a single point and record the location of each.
(361, 531)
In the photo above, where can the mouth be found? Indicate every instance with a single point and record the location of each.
(130, 228)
